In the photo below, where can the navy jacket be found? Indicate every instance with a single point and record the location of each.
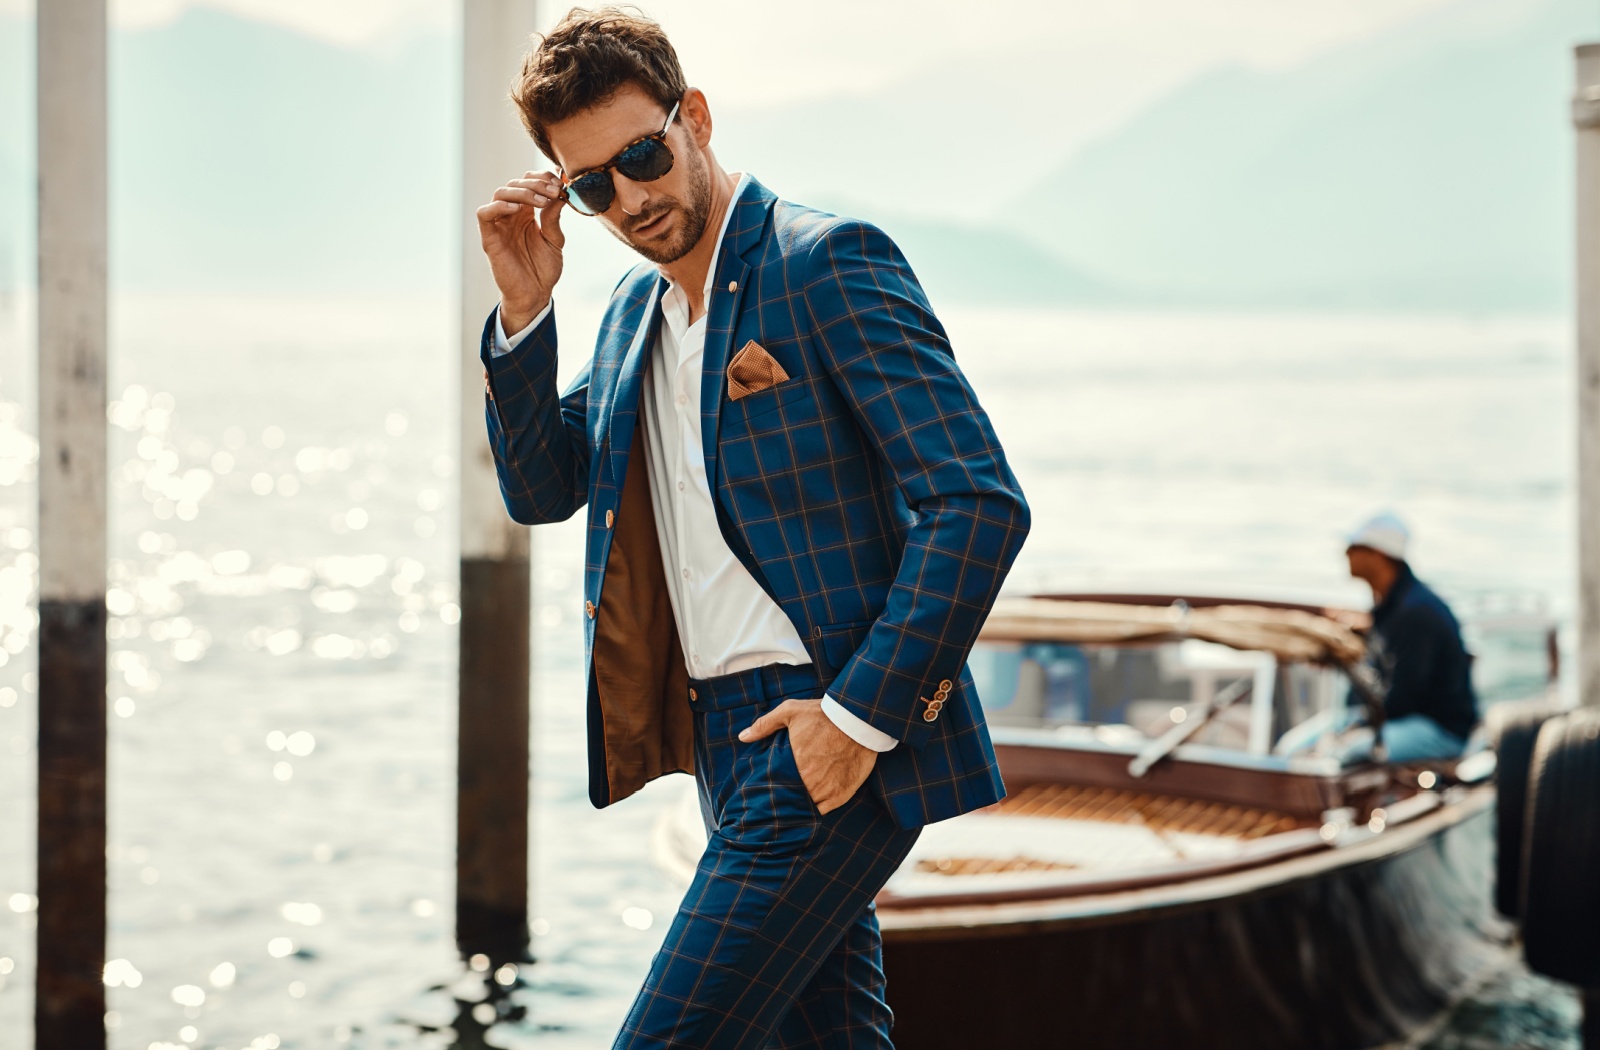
(867, 494)
(1417, 650)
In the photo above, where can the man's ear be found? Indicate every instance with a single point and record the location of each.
(696, 116)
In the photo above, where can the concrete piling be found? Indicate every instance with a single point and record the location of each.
(492, 750)
(1586, 124)
(69, 1006)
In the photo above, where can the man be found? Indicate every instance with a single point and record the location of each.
(798, 518)
(1416, 649)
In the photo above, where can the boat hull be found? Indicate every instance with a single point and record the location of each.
(1338, 953)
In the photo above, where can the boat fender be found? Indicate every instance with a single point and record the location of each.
(1561, 864)
(1513, 728)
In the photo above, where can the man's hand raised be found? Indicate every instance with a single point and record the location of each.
(521, 233)
(831, 765)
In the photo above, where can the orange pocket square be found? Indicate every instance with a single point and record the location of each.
(752, 370)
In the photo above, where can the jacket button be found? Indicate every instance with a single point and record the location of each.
(944, 686)
(733, 286)
(929, 715)
(609, 519)
(693, 695)
(588, 609)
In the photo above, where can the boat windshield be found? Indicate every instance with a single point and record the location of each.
(1150, 688)
(1144, 690)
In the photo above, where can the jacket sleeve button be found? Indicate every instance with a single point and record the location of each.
(929, 715)
(944, 686)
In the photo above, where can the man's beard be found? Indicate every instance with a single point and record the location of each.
(695, 214)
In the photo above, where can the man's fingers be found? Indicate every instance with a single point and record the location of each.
(524, 195)
(497, 210)
(767, 724)
(546, 184)
(762, 727)
(550, 223)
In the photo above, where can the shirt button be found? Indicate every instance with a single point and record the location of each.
(686, 574)
(683, 399)
(680, 486)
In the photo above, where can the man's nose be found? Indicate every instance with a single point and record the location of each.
(631, 196)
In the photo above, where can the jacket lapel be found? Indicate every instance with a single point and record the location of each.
(625, 404)
(723, 297)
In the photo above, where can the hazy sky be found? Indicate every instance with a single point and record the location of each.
(765, 52)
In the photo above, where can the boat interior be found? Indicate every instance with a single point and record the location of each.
(1154, 739)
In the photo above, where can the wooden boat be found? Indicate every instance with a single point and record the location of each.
(1158, 876)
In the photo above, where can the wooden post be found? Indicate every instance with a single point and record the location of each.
(492, 744)
(1586, 121)
(69, 1008)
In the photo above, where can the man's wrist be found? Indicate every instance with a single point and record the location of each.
(856, 728)
(516, 317)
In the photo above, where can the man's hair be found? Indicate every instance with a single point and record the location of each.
(584, 60)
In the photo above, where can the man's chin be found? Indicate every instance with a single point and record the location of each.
(662, 250)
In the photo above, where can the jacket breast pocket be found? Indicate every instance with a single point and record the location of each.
(793, 399)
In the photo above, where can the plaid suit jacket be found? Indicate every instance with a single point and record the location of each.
(867, 494)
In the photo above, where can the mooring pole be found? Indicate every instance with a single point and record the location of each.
(1586, 123)
(492, 745)
(70, 1003)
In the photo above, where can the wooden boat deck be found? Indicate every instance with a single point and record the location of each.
(1073, 828)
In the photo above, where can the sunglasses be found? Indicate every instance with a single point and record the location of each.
(643, 160)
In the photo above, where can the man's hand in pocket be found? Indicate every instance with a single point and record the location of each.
(832, 766)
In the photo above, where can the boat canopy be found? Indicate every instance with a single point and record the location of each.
(1289, 634)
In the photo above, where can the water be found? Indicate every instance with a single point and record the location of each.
(283, 646)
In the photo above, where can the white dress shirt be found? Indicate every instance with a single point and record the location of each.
(726, 622)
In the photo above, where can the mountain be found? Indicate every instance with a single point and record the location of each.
(978, 264)
(245, 157)
(1427, 168)
(248, 157)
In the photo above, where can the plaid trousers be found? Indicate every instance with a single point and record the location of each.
(776, 943)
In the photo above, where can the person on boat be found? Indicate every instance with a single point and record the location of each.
(798, 518)
(1414, 647)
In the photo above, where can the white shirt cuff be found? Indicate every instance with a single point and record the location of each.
(502, 344)
(856, 729)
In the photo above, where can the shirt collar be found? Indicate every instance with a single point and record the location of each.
(674, 303)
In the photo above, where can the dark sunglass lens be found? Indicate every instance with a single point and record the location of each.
(645, 161)
(591, 194)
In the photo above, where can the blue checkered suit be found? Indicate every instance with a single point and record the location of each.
(867, 494)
